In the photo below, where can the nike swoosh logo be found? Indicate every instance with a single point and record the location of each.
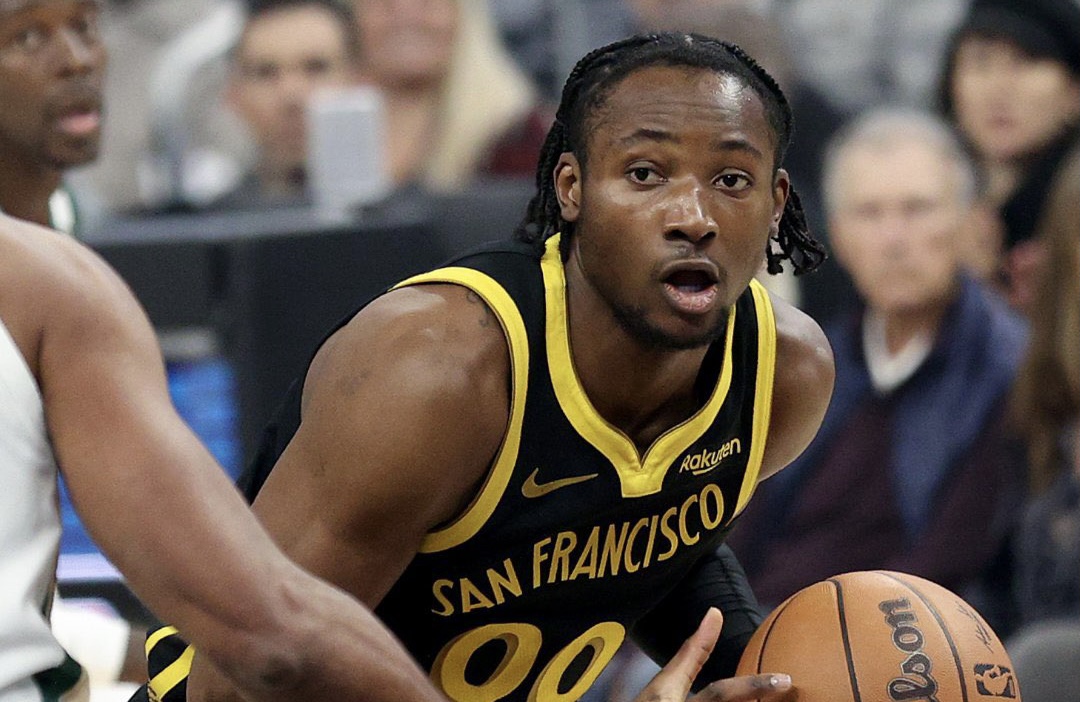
(532, 489)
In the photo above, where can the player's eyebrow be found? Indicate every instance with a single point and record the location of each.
(660, 135)
(735, 144)
(646, 134)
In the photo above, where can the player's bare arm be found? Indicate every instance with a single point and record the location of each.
(160, 507)
(802, 387)
(403, 411)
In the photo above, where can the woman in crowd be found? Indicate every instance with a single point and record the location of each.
(1011, 85)
(1047, 402)
(457, 106)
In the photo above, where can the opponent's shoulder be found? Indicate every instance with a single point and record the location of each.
(802, 385)
(53, 266)
(52, 282)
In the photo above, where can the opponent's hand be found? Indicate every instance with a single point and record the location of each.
(672, 684)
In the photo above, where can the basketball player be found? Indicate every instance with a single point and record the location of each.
(526, 457)
(52, 67)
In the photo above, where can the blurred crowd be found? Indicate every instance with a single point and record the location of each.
(936, 152)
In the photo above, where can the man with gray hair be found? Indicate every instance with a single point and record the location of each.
(912, 469)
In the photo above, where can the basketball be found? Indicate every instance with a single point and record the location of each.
(880, 636)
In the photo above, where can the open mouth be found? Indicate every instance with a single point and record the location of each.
(77, 112)
(691, 290)
(79, 123)
(690, 281)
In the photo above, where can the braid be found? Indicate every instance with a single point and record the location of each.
(795, 241)
(587, 87)
(543, 216)
(793, 238)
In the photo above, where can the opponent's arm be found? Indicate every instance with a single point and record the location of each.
(403, 411)
(168, 517)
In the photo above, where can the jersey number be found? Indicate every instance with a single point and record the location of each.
(522, 647)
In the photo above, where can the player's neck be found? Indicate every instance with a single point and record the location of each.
(641, 390)
(25, 192)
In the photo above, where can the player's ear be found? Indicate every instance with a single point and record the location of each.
(568, 186)
(781, 191)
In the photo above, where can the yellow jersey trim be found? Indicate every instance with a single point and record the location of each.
(763, 392)
(177, 671)
(638, 475)
(469, 522)
(159, 634)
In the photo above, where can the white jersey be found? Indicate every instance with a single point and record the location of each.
(33, 666)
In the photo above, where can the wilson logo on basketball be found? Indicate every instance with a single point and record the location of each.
(916, 683)
(995, 681)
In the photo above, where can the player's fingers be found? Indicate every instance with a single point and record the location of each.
(770, 686)
(674, 681)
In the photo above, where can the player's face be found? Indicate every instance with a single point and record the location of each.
(676, 202)
(1010, 104)
(896, 218)
(286, 56)
(52, 66)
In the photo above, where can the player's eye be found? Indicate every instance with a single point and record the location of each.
(733, 181)
(643, 175)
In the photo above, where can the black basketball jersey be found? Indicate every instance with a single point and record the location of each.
(574, 534)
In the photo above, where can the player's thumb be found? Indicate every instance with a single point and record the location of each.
(674, 681)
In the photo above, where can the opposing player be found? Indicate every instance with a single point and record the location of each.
(526, 457)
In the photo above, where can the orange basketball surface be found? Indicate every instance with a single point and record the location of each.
(881, 636)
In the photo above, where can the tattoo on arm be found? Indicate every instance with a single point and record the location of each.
(488, 319)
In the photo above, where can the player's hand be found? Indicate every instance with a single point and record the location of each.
(672, 684)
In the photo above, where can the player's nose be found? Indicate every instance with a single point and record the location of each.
(688, 215)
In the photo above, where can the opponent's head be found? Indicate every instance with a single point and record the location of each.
(585, 96)
(52, 65)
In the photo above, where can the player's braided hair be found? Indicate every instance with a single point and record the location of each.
(590, 83)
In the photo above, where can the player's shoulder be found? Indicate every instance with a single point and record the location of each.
(802, 384)
(51, 282)
(802, 349)
(53, 265)
(436, 335)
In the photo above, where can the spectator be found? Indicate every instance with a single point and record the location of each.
(1047, 405)
(1011, 84)
(457, 106)
(912, 469)
(287, 50)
